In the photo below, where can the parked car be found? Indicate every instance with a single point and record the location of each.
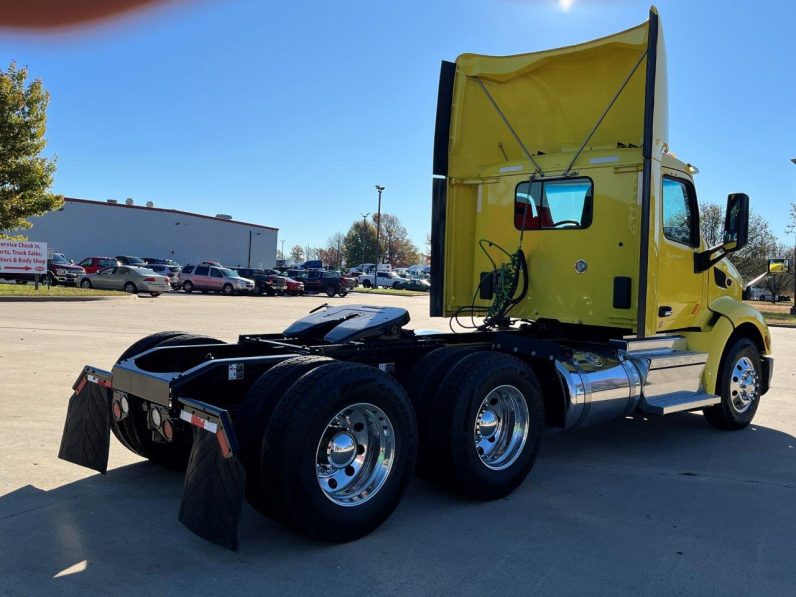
(172, 272)
(294, 287)
(330, 282)
(131, 260)
(159, 261)
(385, 280)
(210, 278)
(414, 284)
(94, 264)
(268, 282)
(127, 278)
(59, 271)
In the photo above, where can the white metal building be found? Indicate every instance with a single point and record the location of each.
(84, 228)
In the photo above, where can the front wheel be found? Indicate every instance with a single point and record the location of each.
(739, 387)
(188, 287)
(129, 287)
(344, 441)
(51, 280)
(343, 292)
(228, 290)
(85, 284)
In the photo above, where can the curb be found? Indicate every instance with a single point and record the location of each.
(781, 325)
(65, 299)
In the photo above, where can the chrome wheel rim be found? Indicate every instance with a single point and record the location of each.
(355, 454)
(744, 386)
(501, 427)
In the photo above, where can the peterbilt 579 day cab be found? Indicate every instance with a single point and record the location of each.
(565, 234)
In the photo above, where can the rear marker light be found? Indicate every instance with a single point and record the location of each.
(156, 417)
(197, 421)
(168, 430)
(117, 410)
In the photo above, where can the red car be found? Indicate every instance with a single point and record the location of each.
(94, 264)
(294, 287)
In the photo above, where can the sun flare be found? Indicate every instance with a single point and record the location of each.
(565, 5)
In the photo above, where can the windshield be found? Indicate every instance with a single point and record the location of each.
(227, 273)
(59, 259)
(137, 261)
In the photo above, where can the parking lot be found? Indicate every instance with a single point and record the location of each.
(640, 506)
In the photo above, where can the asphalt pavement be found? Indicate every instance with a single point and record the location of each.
(642, 506)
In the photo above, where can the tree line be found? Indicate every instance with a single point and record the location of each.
(358, 245)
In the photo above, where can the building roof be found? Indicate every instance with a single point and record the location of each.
(171, 211)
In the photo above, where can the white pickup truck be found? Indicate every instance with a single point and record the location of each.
(385, 280)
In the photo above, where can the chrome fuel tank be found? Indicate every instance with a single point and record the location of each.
(600, 387)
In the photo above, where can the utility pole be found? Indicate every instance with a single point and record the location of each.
(378, 231)
(793, 265)
(362, 237)
(283, 249)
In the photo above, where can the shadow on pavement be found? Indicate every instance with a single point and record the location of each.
(641, 506)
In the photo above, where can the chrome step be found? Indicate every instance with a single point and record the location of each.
(632, 345)
(667, 404)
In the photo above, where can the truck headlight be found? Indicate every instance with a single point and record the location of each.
(60, 272)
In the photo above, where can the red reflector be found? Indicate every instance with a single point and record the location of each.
(105, 383)
(198, 421)
(117, 410)
(224, 443)
(81, 385)
(168, 430)
(150, 280)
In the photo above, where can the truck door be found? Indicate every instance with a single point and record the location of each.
(680, 292)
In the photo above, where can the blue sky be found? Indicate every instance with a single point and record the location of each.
(288, 113)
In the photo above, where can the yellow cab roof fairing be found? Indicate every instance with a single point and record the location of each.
(553, 99)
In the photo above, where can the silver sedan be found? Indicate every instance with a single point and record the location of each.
(126, 278)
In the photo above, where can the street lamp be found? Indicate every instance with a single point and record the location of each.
(362, 238)
(793, 265)
(378, 231)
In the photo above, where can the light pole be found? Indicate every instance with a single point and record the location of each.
(283, 250)
(364, 229)
(793, 265)
(378, 231)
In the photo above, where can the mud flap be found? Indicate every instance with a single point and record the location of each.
(215, 481)
(87, 430)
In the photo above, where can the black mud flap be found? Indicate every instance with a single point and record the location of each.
(215, 481)
(87, 430)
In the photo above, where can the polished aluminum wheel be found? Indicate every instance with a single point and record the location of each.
(501, 427)
(355, 454)
(744, 386)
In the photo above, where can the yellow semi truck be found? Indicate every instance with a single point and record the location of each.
(565, 234)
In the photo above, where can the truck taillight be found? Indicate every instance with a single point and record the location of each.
(150, 279)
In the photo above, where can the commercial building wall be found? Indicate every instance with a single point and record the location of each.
(94, 228)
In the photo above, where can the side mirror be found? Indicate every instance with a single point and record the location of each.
(778, 266)
(736, 222)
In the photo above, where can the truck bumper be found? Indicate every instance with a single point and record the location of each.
(767, 366)
(215, 480)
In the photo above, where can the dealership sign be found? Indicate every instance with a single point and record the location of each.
(23, 257)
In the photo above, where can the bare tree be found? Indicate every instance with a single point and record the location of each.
(752, 260)
(297, 253)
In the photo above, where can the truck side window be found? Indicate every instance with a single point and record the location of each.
(680, 216)
(202, 271)
(553, 204)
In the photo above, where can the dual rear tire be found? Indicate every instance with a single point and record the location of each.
(329, 447)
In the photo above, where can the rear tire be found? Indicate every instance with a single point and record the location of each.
(130, 288)
(422, 386)
(337, 404)
(366, 284)
(343, 293)
(487, 422)
(154, 294)
(250, 426)
(85, 284)
(739, 388)
(331, 291)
